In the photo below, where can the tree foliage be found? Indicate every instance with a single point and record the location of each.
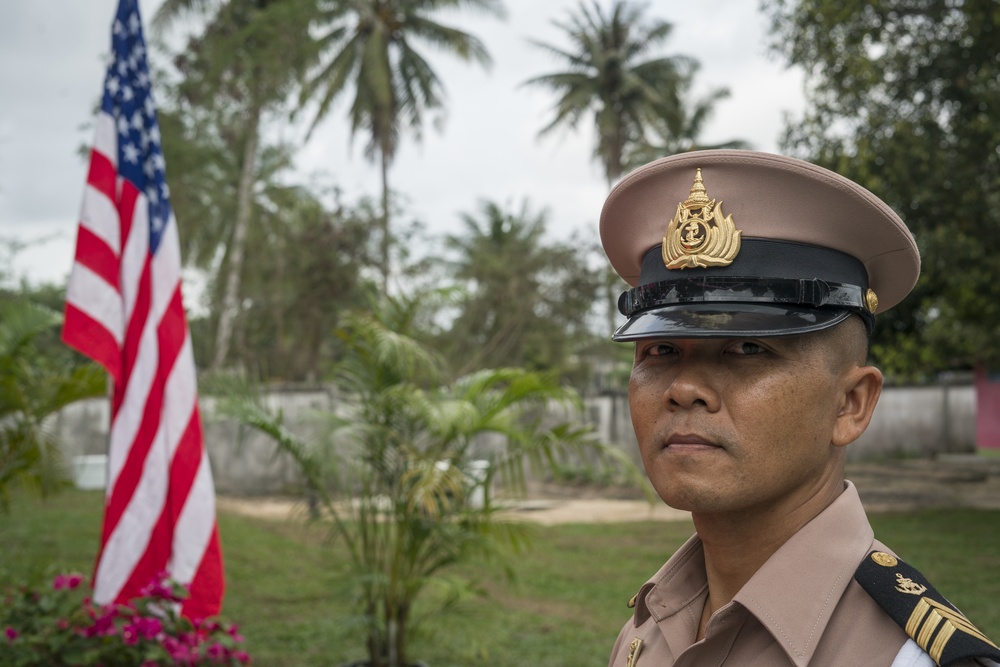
(409, 500)
(613, 75)
(310, 265)
(369, 46)
(526, 301)
(38, 378)
(242, 65)
(904, 98)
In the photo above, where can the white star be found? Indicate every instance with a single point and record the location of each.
(149, 106)
(158, 161)
(148, 169)
(117, 27)
(157, 223)
(122, 125)
(154, 134)
(139, 50)
(127, 94)
(133, 23)
(131, 153)
(165, 189)
(153, 197)
(122, 68)
(112, 85)
(142, 79)
(137, 121)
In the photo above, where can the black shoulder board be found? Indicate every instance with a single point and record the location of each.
(931, 621)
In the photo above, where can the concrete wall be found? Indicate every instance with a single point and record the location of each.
(909, 421)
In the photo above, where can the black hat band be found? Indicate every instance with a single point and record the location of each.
(813, 293)
(766, 273)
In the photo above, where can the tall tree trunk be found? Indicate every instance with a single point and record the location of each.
(385, 222)
(244, 203)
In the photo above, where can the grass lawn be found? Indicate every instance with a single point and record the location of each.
(564, 606)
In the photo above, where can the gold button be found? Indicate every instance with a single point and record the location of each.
(884, 559)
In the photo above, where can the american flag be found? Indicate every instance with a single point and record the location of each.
(124, 310)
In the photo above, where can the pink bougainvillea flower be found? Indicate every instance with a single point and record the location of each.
(178, 651)
(11, 634)
(104, 625)
(242, 656)
(148, 626)
(130, 635)
(67, 581)
(216, 652)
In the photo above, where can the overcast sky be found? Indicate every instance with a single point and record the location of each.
(51, 70)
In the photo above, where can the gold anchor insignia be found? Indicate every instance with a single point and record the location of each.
(904, 585)
(699, 235)
(633, 652)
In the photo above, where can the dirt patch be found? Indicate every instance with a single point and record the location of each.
(946, 482)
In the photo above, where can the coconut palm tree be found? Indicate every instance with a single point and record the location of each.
(526, 301)
(368, 46)
(242, 66)
(680, 132)
(611, 75)
(409, 500)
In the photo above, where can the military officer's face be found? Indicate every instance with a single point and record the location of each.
(730, 425)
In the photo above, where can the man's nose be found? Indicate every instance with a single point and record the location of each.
(692, 387)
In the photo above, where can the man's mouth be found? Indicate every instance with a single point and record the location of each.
(689, 441)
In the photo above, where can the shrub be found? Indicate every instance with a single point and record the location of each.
(58, 624)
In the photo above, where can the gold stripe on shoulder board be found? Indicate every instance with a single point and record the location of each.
(930, 615)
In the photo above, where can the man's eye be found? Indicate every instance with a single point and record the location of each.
(658, 350)
(747, 347)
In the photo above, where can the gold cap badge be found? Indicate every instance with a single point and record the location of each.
(698, 235)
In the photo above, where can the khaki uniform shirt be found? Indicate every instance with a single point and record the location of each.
(802, 607)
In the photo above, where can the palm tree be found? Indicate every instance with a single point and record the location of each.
(368, 45)
(409, 501)
(679, 132)
(36, 381)
(242, 66)
(525, 300)
(608, 74)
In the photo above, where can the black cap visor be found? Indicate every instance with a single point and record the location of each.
(728, 320)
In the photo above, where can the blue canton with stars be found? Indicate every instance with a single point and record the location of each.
(128, 99)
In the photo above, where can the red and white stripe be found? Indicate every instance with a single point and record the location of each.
(124, 309)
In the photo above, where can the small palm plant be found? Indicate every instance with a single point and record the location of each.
(38, 377)
(401, 495)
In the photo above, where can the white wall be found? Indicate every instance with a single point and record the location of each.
(909, 421)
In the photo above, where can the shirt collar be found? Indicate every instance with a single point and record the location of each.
(812, 570)
(681, 579)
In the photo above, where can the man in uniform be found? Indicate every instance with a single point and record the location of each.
(756, 280)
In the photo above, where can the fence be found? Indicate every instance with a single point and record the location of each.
(909, 422)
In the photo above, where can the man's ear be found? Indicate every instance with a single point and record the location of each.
(862, 387)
